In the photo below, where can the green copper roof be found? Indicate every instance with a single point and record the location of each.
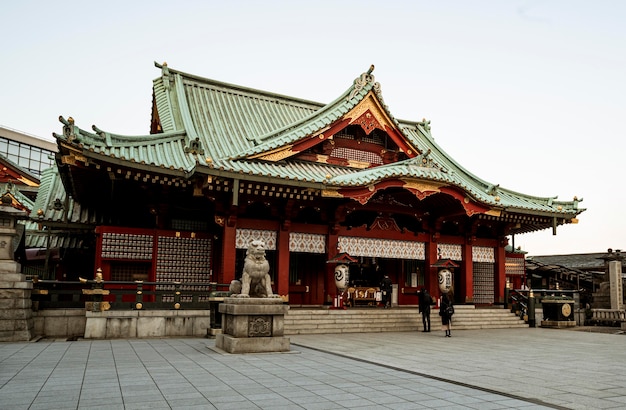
(211, 126)
(54, 206)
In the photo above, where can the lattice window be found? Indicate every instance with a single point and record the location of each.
(450, 251)
(130, 271)
(483, 283)
(126, 246)
(174, 264)
(381, 248)
(243, 238)
(307, 242)
(483, 254)
(514, 266)
(189, 225)
(351, 154)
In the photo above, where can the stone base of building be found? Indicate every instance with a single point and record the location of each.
(16, 315)
(253, 325)
(114, 324)
(558, 323)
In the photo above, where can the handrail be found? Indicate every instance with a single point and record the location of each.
(519, 302)
(50, 294)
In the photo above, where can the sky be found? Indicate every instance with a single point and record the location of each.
(530, 95)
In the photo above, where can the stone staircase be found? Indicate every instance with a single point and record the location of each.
(311, 320)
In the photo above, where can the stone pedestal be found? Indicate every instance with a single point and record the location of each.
(16, 315)
(252, 325)
(615, 281)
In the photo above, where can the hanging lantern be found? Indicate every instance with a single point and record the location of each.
(342, 277)
(445, 280)
(444, 275)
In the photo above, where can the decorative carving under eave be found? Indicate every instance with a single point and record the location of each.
(384, 224)
(331, 193)
(494, 212)
(424, 188)
(368, 122)
(274, 156)
(73, 158)
(377, 115)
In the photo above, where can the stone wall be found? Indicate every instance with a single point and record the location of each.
(115, 324)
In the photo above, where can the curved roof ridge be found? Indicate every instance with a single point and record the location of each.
(325, 116)
(406, 168)
(171, 150)
(167, 70)
(277, 138)
(99, 137)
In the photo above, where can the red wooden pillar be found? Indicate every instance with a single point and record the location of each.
(467, 278)
(229, 253)
(430, 271)
(330, 290)
(500, 274)
(282, 264)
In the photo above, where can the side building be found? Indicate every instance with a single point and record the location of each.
(23, 158)
(224, 164)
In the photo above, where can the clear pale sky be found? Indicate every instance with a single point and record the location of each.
(530, 95)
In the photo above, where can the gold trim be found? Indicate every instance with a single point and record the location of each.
(494, 212)
(422, 186)
(275, 155)
(370, 103)
(358, 164)
(331, 193)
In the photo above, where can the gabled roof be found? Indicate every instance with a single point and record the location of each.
(11, 172)
(342, 257)
(18, 199)
(54, 207)
(210, 126)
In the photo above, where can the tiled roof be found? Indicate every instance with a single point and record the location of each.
(210, 125)
(583, 261)
(56, 206)
(15, 192)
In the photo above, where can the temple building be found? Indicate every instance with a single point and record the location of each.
(223, 165)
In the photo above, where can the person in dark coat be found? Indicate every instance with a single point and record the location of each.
(425, 301)
(385, 287)
(446, 310)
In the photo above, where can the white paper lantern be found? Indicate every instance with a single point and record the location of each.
(445, 280)
(342, 277)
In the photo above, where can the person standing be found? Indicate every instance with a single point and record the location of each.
(385, 287)
(425, 301)
(446, 310)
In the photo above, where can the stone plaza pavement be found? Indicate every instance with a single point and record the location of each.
(528, 368)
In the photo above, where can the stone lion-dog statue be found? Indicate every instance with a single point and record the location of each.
(255, 279)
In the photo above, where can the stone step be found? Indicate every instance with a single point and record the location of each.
(353, 320)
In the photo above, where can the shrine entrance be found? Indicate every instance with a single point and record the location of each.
(306, 278)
